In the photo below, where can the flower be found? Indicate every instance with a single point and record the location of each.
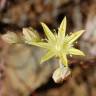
(59, 45)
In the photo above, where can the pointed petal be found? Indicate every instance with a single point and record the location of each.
(40, 44)
(62, 28)
(47, 56)
(75, 51)
(64, 59)
(74, 36)
(48, 32)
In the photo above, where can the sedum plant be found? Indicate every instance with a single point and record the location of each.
(57, 45)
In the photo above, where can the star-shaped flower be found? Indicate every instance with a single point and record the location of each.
(59, 45)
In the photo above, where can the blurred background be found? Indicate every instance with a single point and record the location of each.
(20, 71)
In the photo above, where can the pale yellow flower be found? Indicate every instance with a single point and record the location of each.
(59, 45)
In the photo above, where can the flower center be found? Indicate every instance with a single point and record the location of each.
(58, 47)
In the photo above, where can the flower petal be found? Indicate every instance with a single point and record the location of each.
(75, 51)
(74, 36)
(62, 28)
(64, 59)
(48, 32)
(47, 56)
(40, 44)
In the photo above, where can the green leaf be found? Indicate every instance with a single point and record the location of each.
(75, 51)
(47, 56)
(74, 36)
(48, 32)
(62, 28)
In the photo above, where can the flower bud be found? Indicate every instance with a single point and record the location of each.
(60, 74)
(10, 37)
(30, 35)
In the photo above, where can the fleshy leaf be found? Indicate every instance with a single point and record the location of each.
(62, 29)
(75, 51)
(74, 36)
(48, 32)
(47, 56)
